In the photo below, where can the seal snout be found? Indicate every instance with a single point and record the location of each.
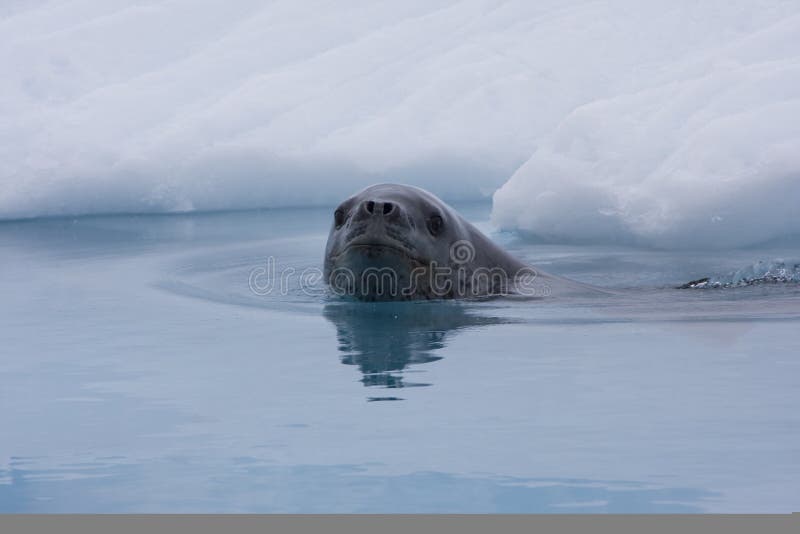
(372, 208)
(379, 216)
(379, 223)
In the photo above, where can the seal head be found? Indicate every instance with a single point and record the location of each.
(398, 242)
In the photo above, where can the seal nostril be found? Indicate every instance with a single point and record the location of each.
(370, 207)
(388, 207)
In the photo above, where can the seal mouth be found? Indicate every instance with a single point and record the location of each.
(379, 247)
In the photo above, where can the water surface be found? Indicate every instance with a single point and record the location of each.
(139, 372)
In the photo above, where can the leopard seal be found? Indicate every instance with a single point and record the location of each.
(392, 242)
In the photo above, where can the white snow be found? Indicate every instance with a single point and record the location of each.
(670, 125)
(706, 152)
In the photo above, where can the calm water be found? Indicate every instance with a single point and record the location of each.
(139, 373)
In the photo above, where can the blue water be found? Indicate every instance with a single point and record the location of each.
(140, 373)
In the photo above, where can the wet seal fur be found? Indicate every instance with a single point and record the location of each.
(399, 242)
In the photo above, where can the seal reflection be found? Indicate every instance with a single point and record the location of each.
(384, 339)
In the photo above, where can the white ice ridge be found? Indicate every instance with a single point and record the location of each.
(701, 150)
(671, 124)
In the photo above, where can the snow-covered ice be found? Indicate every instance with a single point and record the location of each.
(669, 125)
(706, 151)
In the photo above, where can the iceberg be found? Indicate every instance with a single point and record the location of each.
(670, 125)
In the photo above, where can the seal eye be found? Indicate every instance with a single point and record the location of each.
(339, 217)
(435, 225)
